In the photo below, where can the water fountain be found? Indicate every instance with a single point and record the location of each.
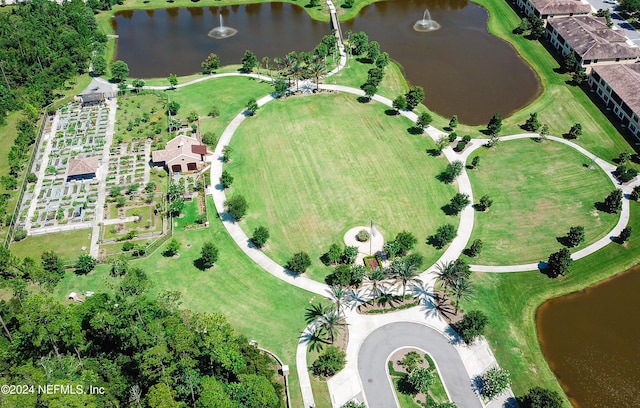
(426, 24)
(222, 32)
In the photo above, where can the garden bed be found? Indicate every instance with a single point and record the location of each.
(388, 303)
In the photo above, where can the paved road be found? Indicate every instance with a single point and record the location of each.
(372, 363)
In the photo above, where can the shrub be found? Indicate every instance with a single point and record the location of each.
(19, 234)
(214, 111)
(333, 255)
(471, 326)
(494, 382)
(363, 236)
(391, 249)
(208, 255)
(299, 262)
(406, 241)
(575, 131)
(635, 193)
(349, 254)
(460, 146)
(458, 203)
(421, 379)
(475, 162)
(172, 248)
(201, 219)
(452, 171)
(226, 179)
(411, 361)
(260, 236)
(341, 276)
(32, 178)
(484, 204)
(452, 137)
(443, 236)
(466, 138)
(127, 246)
(209, 138)
(474, 249)
(329, 362)
(84, 264)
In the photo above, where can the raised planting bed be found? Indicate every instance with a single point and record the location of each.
(372, 262)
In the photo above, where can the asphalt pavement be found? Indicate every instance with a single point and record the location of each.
(378, 346)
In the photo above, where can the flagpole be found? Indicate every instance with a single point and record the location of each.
(370, 237)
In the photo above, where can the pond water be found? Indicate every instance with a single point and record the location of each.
(591, 340)
(463, 69)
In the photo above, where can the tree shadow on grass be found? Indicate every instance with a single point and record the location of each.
(449, 210)
(433, 152)
(405, 387)
(391, 112)
(544, 269)
(199, 263)
(415, 130)
(564, 241)
(363, 99)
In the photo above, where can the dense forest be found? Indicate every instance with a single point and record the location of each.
(142, 351)
(42, 44)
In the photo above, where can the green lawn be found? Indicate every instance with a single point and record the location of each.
(546, 190)
(355, 74)
(258, 305)
(229, 94)
(68, 245)
(318, 172)
(511, 299)
(132, 109)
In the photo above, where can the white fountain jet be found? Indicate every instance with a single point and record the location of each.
(426, 24)
(222, 31)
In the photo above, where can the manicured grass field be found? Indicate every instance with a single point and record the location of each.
(511, 299)
(258, 305)
(68, 245)
(230, 95)
(328, 163)
(355, 74)
(539, 191)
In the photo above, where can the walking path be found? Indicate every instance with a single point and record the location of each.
(43, 168)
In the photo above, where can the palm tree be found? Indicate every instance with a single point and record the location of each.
(297, 73)
(445, 274)
(376, 276)
(461, 289)
(287, 63)
(404, 272)
(316, 71)
(265, 61)
(330, 322)
(338, 295)
(314, 312)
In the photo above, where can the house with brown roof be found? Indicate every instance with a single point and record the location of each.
(591, 40)
(554, 8)
(183, 154)
(83, 169)
(619, 88)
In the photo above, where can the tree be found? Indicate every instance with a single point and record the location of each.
(575, 131)
(544, 132)
(349, 255)
(226, 179)
(494, 382)
(226, 153)
(475, 248)
(441, 143)
(382, 61)
(406, 241)
(173, 107)
(359, 42)
(299, 262)
(459, 202)
(252, 107)
(260, 236)
(471, 326)
(443, 236)
(208, 254)
(575, 236)
(52, 263)
(329, 362)
(249, 62)
(559, 262)
(172, 248)
(613, 202)
(236, 206)
(423, 120)
(580, 76)
(98, 65)
(569, 63)
(280, 86)
(452, 171)
(176, 206)
(119, 266)
(119, 71)
(391, 249)
(400, 103)
(421, 379)
(123, 87)
(414, 97)
(625, 234)
(376, 278)
(495, 124)
(84, 264)
(475, 162)
(635, 194)
(334, 254)
(373, 51)
(214, 112)
(537, 27)
(538, 397)
(625, 173)
(484, 203)
(210, 64)
(525, 25)
(630, 6)
(369, 90)
(212, 394)
(338, 296)
(460, 289)
(532, 124)
(173, 81)
(161, 396)
(453, 122)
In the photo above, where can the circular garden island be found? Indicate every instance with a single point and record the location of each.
(539, 191)
(313, 167)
